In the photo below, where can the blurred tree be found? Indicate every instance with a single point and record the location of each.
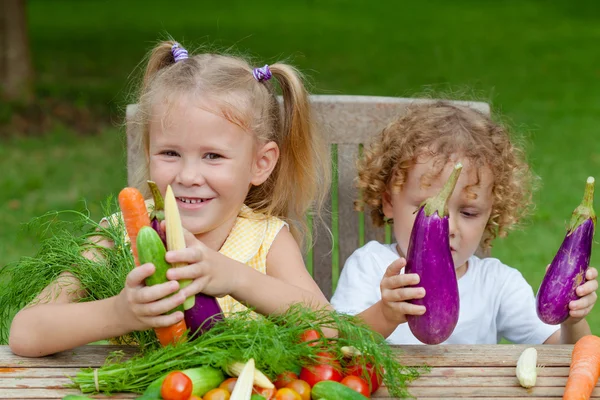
(16, 73)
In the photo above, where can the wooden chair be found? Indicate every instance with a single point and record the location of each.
(348, 122)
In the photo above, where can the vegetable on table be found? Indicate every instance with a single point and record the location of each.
(568, 268)
(203, 379)
(176, 386)
(526, 370)
(243, 387)
(584, 370)
(358, 384)
(201, 311)
(328, 368)
(331, 390)
(135, 216)
(429, 256)
(259, 379)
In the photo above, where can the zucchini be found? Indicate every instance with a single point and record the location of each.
(333, 390)
(152, 250)
(203, 379)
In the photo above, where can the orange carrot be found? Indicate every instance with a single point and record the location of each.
(585, 368)
(171, 334)
(135, 216)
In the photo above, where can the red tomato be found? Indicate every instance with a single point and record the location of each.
(217, 394)
(266, 393)
(284, 378)
(327, 370)
(375, 377)
(301, 387)
(287, 394)
(358, 384)
(228, 384)
(176, 386)
(310, 336)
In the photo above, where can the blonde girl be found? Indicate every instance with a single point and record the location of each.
(244, 171)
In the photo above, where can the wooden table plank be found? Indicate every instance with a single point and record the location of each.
(458, 371)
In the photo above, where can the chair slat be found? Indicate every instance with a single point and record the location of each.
(347, 194)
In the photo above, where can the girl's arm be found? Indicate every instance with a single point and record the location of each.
(59, 323)
(286, 282)
(569, 333)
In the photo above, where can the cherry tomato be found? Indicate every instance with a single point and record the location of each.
(287, 394)
(176, 386)
(284, 378)
(228, 384)
(301, 387)
(217, 394)
(310, 335)
(358, 384)
(375, 375)
(328, 370)
(268, 394)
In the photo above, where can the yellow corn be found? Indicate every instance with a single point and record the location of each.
(260, 379)
(527, 368)
(243, 387)
(175, 238)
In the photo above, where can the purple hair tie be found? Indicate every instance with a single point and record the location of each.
(262, 74)
(179, 53)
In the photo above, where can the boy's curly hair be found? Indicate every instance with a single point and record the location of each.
(441, 129)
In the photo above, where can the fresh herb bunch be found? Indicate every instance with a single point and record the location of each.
(62, 248)
(273, 342)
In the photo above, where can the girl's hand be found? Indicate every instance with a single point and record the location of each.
(581, 307)
(395, 293)
(212, 273)
(143, 306)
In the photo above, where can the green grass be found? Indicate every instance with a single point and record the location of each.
(536, 61)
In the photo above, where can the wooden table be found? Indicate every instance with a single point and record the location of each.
(458, 371)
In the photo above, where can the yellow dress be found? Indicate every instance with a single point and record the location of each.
(249, 242)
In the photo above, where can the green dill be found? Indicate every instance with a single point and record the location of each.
(66, 235)
(273, 342)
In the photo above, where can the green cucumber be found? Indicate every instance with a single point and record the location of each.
(203, 379)
(333, 390)
(152, 250)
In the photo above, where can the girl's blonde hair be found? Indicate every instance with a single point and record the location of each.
(300, 179)
(442, 129)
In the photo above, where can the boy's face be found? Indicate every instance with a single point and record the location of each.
(469, 206)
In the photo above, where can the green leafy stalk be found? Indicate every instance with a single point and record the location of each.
(585, 210)
(439, 202)
(272, 341)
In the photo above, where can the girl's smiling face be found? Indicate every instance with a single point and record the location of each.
(209, 162)
(469, 206)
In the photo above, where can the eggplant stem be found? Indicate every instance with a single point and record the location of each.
(439, 202)
(159, 202)
(585, 210)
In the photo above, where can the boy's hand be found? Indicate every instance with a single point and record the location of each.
(395, 293)
(143, 306)
(581, 307)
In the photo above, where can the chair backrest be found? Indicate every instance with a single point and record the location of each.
(348, 122)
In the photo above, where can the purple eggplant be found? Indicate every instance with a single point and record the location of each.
(568, 268)
(203, 315)
(429, 256)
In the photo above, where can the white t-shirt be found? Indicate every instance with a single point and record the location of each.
(495, 300)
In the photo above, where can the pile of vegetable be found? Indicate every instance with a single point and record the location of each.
(289, 349)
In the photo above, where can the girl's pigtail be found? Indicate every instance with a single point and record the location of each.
(304, 173)
(161, 56)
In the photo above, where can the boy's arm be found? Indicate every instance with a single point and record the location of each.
(569, 333)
